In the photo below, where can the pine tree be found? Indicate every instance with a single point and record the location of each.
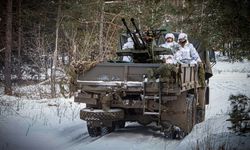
(240, 113)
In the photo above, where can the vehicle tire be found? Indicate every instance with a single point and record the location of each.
(94, 131)
(192, 114)
(145, 120)
(200, 115)
(120, 124)
(107, 130)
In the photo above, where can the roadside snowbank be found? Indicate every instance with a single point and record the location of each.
(214, 134)
(39, 124)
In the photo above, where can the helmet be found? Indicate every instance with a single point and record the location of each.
(182, 37)
(169, 35)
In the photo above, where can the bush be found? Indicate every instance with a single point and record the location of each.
(240, 113)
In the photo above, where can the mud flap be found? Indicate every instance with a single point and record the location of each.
(207, 96)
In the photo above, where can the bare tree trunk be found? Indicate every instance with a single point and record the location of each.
(71, 36)
(202, 12)
(53, 73)
(19, 40)
(7, 70)
(101, 30)
(74, 49)
(39, 50)
(46, 66)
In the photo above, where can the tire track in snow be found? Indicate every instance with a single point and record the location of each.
(78, 140)
(76, 136)
(85, 139)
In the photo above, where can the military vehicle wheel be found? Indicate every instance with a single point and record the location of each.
(200, 115)
(145, 120)
(192, 112)
(120, 124)
(93, 131)
(107, 130)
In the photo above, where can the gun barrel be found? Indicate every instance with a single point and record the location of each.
(128, 30)
(138, 31)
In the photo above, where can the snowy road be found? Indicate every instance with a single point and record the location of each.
(55, 124)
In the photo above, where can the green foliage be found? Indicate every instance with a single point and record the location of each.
(63, 88)
(167, 72)
(72, 71)
(223, 25)
(149, 14)
(201, 75)
(240, 113)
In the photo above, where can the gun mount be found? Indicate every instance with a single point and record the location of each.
(145, 45)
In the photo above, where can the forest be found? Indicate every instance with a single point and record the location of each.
(39, 40)
(64, 84)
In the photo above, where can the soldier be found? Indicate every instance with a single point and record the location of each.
(187, 52)
(170, 43)
(128, 45)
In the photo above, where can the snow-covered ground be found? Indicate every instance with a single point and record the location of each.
(52, 124)
(213, 133)
(229, 78)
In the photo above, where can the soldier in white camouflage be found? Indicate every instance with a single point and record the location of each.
(171, 44)
(187, 53)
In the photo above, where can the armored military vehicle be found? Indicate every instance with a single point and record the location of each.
(144, 90)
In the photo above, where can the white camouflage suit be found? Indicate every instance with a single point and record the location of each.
(128, 45)
(169, 59)
(187, 53)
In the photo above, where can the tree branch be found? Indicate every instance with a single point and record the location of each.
(2, 49)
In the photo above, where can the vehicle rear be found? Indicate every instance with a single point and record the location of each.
(170, 95)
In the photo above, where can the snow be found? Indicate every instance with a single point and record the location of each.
(229, 78)
(134, 137)
(213, 133)
(39, 124)
(34, 91)
(100, 110)
(31, 123)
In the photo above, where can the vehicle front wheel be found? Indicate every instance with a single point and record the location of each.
(94, 131)
(120, 124)
(107, 130)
